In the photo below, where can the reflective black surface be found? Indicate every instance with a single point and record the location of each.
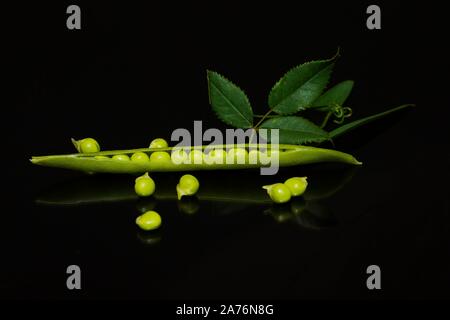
(128, 77)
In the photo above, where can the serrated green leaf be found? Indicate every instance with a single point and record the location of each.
(300, 86)
(229, 102)
(355, 124)
(336, 95)
(295, 130)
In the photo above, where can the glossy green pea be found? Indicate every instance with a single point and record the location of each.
(216, 156)
(139, 157)
(101, 157)
(160, 157)
(179, 156)
(196, 157)
(297, 185)
(289, 155)
(121, 157)
(144, 186)
(150, 220)
(237, 156)
(188, 186)
(158, 143)
(254, 156)
(87, 145)
(278, 192)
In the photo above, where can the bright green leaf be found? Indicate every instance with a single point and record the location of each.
(295, 130)
(355, 124)
(337, 95)
(229, 102)
(300, 86)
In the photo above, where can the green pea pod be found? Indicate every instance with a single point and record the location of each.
(289, 155)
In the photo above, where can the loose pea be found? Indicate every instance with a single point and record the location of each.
(159, 143)
(121, 157)
(237, 155)
(139, 157)
(101, 157)
(297, 185)
(217, 156)
(187, 186)
(179, 156)
(160, 157)
(196, 156)
(144, 186)
(88, 145)
(149, 221)
(278, 192)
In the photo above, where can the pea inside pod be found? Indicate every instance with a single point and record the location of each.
(86, 145)
(161, 161)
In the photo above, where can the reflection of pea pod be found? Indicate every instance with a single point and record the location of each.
(327, 181)
(244, 187)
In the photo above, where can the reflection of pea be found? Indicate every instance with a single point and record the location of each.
(298, 205)
(149, 239)
(281, 212)
(189, 205)
(146, 204)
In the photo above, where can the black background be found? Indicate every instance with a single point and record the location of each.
(133, 73)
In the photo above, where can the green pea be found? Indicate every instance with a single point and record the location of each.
(144, 186)
(253, 156)
(88, 145)
(278, 192)
(139, 157)
(101, 157)
(237, 155)
(159, 143)
(160, 157)
(179, 156)
(297, 185)
(216, 156)
(121, 157)
(290, 155)
(196, 156)
(149, 221)
(187, 186)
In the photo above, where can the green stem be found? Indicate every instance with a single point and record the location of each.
(262, 115)
(262, 119)
(256, 127)
(325, 120)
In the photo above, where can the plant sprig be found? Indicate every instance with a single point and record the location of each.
(301, 88)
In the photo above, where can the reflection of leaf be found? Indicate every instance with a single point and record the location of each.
(300, 86)
(334, 96)
(355, 124)
(295, 130)
(229, 102)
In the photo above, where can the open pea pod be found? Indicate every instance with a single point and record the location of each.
(289, 155)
